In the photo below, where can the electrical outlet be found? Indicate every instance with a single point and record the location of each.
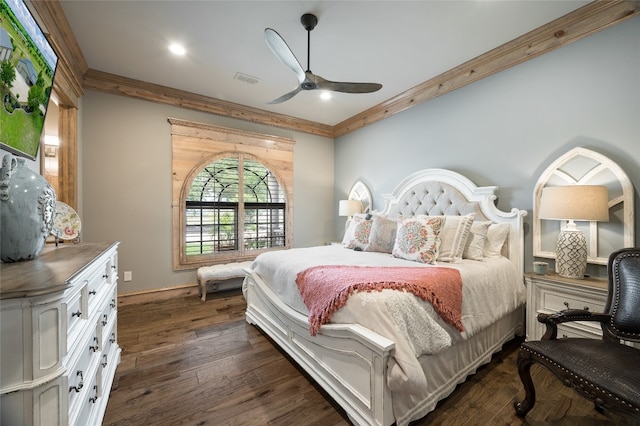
(128, 275)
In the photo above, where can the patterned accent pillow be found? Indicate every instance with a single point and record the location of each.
(474, 249)
(357, 234)
(383, 234)
(454, 236)
(417, 238)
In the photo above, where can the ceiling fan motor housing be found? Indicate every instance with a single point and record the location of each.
(309, 21)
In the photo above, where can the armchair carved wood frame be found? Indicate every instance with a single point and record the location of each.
(604, 371)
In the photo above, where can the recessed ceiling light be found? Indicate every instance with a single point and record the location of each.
(325, 96)
(177, 49)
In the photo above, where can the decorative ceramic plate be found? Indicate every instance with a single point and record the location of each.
(66, 222)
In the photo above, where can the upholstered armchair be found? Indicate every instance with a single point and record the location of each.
(604, 371)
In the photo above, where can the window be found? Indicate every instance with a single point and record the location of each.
(232, 193)
(215, 205)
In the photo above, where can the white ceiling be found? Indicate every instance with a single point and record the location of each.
(399, 44)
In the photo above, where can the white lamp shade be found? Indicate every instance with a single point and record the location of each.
(576, 202)
(349, 207)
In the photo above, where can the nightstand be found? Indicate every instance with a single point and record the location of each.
(552, 293)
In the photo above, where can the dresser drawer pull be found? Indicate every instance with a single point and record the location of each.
(78, 314)
(113, 338)
(113, 303)
(104, 321)
(80, 385)
(105, 276)
(92, 293)
(104, 360)
(113, 267)
(94, 398)
(94, 348)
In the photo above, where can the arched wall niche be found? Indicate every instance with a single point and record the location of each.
(581, 166)
(361, 192)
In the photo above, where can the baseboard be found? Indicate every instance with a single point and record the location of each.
(157, 294)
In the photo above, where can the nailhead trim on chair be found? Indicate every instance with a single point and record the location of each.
(601, 391)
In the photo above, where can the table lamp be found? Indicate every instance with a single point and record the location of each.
(573, 203)
(349, 208)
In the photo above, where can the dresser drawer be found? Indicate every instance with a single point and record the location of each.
(76, 309)
(83, 367)
(109, 338)
(109, 310)
(96, 284)
(87, 407)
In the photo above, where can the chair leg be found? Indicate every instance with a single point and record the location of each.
(524, 370)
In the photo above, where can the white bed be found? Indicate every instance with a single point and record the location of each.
(381, 372)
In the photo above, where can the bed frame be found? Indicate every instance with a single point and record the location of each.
(349, 361)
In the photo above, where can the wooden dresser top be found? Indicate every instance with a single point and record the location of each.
(50, 272)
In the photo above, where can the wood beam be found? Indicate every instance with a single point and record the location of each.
(574, 26)
(118, 85)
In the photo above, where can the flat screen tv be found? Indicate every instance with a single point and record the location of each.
(27, 68)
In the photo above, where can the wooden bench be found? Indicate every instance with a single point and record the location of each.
(219, 273)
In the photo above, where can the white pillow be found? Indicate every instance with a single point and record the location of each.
(496, 236)
(417, 238)
(383, 234)
(454, 236)
(474, 249)
(357, 233)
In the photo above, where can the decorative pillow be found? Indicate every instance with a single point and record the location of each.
(357, 234)
(383, 234)
(474, 249)
(496, 237)
(454, 236)
(417, 238)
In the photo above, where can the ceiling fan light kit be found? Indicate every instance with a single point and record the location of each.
(306, 79)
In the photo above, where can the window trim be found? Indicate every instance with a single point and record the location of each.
(196, 145)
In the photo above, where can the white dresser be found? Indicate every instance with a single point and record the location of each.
(58, 335)
(552, 293)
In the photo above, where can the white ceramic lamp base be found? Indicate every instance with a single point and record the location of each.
(571, 254)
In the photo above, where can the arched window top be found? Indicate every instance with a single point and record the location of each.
(218, 182)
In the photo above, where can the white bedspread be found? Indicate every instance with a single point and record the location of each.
(491, 289)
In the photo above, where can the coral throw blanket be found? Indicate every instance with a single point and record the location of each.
(325, 289)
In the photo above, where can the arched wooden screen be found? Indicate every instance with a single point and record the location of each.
(585, 167)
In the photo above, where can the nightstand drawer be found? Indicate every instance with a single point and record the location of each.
(555, 301)
(551, 293)
(582, 329)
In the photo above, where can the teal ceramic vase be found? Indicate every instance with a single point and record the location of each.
(27, 208)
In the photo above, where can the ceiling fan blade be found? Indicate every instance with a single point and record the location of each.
(286, 96)
(345, 87)
(282, 51)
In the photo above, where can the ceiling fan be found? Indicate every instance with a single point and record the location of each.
(306, 79)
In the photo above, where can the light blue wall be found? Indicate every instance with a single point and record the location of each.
(507, 129)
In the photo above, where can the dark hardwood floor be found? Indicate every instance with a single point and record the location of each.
(185, 362)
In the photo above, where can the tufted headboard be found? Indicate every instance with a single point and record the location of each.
(444, 192)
